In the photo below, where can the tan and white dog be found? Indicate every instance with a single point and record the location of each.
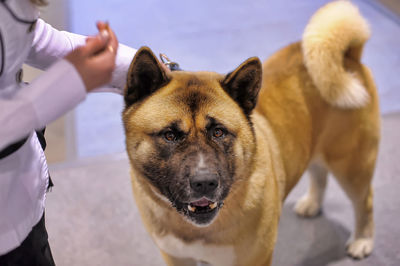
(214, 156)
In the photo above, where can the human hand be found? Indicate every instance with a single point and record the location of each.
(95, 61)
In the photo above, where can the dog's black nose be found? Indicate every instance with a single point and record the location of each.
(204, 185)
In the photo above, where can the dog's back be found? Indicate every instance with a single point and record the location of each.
(322, 106)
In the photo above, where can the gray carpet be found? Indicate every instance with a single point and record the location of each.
(92, 218)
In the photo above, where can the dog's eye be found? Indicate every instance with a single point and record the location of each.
(170, 136)
(218, 133)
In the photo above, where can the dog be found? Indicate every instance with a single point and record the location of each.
(214, 156)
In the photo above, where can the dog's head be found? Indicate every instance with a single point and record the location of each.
(189, 134)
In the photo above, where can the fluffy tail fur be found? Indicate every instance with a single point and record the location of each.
(335, 31)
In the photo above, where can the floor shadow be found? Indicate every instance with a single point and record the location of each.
(309, 242)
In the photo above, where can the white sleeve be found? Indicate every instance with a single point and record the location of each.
(56, 91)
(49, 45)
(49, 96)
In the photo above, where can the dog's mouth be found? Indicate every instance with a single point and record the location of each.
(202, 206)
(201, 212)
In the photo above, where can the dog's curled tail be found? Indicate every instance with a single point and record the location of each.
(335, 31)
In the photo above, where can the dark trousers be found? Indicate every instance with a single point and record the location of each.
(34, 251)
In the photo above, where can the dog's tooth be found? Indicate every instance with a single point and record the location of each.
(212, 205)
(191, 208)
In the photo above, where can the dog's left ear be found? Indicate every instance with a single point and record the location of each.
(244, 83)
(145, 76)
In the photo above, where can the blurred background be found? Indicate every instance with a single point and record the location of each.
(91, 213)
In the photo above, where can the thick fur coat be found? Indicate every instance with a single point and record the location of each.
(214, 156)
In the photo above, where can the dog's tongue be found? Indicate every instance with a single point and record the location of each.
(201, 203)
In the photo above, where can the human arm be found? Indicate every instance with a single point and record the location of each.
(46, 98)
(60, 88)
(49, 45)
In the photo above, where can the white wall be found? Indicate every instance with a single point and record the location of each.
(60, 134)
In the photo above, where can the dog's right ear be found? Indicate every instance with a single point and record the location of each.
(145, 76)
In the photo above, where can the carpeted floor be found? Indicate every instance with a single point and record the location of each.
(92, 219)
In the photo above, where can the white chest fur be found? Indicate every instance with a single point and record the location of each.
(212, 254)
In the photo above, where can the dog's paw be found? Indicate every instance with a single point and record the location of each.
(307, 207)
(360, 248)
